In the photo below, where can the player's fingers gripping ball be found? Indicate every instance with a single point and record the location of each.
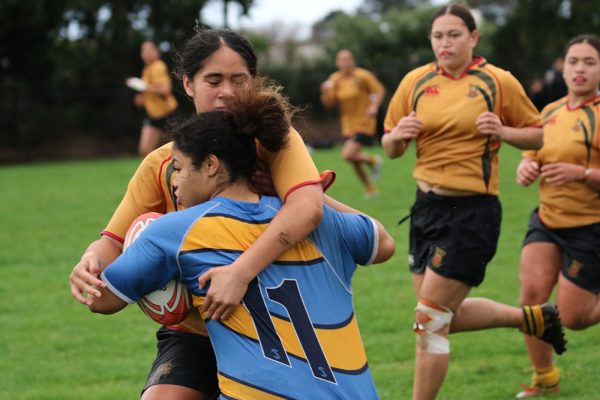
(170, 304)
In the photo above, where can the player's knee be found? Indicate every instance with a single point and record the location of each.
(531, 294)
(431, 327)
(574, 322)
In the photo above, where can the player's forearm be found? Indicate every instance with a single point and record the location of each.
(106, 249)
(107, 303)
(392, 147)
(299, 216)
(523, 138)
(339, 206)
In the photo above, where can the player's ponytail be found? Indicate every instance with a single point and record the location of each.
(260, 113)
(264, 113)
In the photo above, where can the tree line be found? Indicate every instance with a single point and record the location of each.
(63, 62)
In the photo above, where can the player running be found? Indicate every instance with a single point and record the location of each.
(458, 110)
(562, 244)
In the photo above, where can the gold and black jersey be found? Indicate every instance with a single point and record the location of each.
(571, 135)
(451, 152)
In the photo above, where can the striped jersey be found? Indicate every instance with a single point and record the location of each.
(151, 189)
(571, 135)
(353, 95)
(295, 335)
(158, 105)
(451, 153)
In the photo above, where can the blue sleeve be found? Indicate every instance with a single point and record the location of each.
(358, 233)
(148, 264)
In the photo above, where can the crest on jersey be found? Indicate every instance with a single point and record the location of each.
(438, 257)
(574, 268)
(473, 91)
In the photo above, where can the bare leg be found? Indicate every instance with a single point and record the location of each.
(476, 313)
(539, 268)
(352, 152)
(149, 139)
(579, 308)
(430, 368)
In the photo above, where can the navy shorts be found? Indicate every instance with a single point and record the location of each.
(456, 237)
(159, 123)
(580, 248)
(184, 359)
(362, 138)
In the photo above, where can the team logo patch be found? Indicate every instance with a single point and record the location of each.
(438, 257)
(552, 120)
(431, 91)
(574, 268)
(577, 126)
(472, 91)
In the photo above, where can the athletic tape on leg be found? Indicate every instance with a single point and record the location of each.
(427, 338)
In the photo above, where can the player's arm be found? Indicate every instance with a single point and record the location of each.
(143, 268)
(517, 122)
(107, 303)
(298, 182)
(143, 195)
(386, 246)
(85, 277)
(376, 94)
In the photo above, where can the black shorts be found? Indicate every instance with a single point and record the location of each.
(184, 359)
(455, 237)
(362, 138)
(580, 250)
(159, 123)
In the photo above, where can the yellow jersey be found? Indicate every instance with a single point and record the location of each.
(451, 152)
(158, 105)
(353, 95)
(151, 189)
(571, 135)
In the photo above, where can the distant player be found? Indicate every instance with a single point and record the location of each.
(295, 334)
(358, 94)
(156, 98)
(458, 110)
(562, 245)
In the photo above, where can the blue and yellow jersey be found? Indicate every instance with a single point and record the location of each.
(151, 190)
(451, 153)
(158, 105)
(352, 94)
(571, 135)
(295, 332)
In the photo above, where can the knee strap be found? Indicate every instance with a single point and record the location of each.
(427, 339)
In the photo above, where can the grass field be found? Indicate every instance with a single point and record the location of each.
(52, 348)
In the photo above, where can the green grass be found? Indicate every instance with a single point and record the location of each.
(52, 348)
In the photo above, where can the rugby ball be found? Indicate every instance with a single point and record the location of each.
(170, 304)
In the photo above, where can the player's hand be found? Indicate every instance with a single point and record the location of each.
(138, 100)
(328, 84)
(84, 278)
(263, 182)
(527, 171)
(561, 173)
(407, 128)
(225, 293)
(372, 110)
(490, 124)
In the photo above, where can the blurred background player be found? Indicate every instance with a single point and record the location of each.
(211, 65)
(284, 341)
(458, 110)
(156, 98)
(562, 244)
(359, 95)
